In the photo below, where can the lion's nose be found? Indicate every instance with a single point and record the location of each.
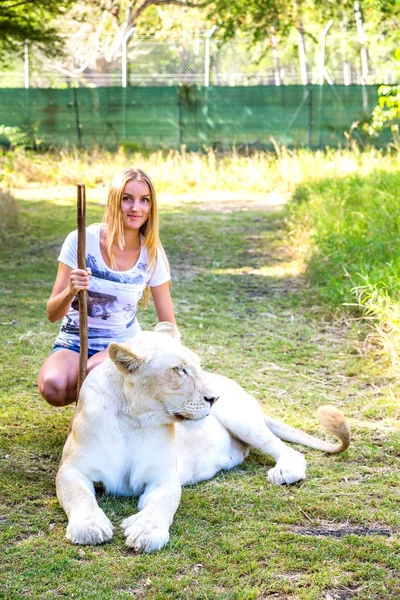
(211, 399)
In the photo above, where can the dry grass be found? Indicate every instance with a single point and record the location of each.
(8, 210)
(190, 172)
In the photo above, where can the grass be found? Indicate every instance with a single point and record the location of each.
(8, 210)
(189, 172)
(353, 230)
(248, 301)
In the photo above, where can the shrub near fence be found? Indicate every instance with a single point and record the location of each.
(218, 117)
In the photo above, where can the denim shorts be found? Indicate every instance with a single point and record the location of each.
(73, 348)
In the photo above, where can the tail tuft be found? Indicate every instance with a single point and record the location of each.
(336, 423)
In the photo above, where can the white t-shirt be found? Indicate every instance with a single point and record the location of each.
(112, 295)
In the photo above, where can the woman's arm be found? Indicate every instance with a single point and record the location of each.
(67, 284)
(163, 302)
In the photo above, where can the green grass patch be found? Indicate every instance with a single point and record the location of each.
(352, 226)
(246, 303)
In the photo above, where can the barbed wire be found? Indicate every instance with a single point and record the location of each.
(188, 62)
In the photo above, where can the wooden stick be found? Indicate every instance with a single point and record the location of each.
(82, 295)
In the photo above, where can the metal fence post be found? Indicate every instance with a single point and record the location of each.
(208, 37)
(302, 54)
(125, 41)
(322, 68)
(27, 66)
(207, 43)
(322, 76)
(27, 82)
(77, 118)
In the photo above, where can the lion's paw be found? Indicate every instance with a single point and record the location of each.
(90, 530)
(289, 469)
(144, 534)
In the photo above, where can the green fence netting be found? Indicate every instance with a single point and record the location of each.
(169, 117)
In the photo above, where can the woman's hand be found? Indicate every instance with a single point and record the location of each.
(66, 286)
(79, 280)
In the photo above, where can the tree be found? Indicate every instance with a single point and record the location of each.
(95, 30)
(259, 20)
(255, 17)
(33, 20)
(251, 17)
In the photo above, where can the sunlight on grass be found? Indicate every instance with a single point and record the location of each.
(190, 172)
(292, 268)
(66, 196)
(385, 336)
(384, 409)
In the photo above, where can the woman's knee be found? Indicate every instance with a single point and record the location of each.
(56, 390)
(58, 378)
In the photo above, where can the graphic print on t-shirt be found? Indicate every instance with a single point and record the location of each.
(99, 305)
(70, 330)
(91, 262)
(113, 296)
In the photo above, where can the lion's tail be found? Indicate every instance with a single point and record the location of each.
(330, 417)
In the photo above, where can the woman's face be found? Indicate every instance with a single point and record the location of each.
(135, 204)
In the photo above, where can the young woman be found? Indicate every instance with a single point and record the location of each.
(124, 260)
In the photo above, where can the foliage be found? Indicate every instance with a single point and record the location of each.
(96, 29)
(258, 16)
(244, 305)
(14, 136)
(254, 18)
(387, 112)
(31, 20)
(93, 33)
(17, 138)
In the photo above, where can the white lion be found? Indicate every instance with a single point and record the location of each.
(130, 432)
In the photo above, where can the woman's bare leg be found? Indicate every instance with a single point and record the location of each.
(58, 377)
(96, 359)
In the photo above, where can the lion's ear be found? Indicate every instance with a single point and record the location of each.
(124, 359)
(168, 328)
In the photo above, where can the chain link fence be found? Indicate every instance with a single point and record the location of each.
(339, 58)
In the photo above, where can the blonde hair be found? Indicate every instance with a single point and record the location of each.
(115, 225)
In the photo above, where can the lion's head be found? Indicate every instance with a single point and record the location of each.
(162, 379)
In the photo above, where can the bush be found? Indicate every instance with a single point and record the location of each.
(386, 115)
